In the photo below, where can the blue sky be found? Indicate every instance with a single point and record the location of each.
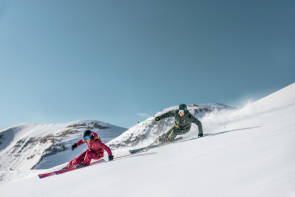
(117, 60)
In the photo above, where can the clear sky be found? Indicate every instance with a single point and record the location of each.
(115, 61)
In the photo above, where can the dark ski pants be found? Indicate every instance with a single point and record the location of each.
(171, 134)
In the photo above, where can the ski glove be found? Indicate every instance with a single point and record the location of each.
(74, 146)
(111, 157)
(157, 118)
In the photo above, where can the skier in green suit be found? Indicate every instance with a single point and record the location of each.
(182, 124)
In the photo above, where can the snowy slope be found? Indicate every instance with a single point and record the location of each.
(248, 152)
(42, 146)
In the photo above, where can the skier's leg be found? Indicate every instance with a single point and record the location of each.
(76, 160)
(164, 138)
(91, 155)
(174, 132)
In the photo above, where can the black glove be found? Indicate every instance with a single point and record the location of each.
(157, 119)
(200, 135)
(74, 146)
(111, 157)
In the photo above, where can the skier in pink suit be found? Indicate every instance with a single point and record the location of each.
(95, 150)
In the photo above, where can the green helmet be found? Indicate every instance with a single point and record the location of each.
(182, 107)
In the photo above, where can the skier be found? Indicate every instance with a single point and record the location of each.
(182, 124)
(95, 150)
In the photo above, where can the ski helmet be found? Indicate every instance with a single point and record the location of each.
(182, 107)
(86, 133)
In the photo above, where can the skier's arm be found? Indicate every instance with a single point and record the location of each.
(197, 122)
(106, 148)
(80, 142)
(77, 144)
(166, 115)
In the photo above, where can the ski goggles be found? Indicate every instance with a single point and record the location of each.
(86, 138)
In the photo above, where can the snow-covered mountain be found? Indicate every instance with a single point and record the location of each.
(147, 131)
(246, 152)
(41, 146)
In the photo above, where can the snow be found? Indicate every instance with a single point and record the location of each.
(246, 152)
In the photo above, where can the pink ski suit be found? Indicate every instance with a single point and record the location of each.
(95, 151)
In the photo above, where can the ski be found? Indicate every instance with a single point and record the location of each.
(61, 171)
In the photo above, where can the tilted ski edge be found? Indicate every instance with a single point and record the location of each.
(61, 171)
